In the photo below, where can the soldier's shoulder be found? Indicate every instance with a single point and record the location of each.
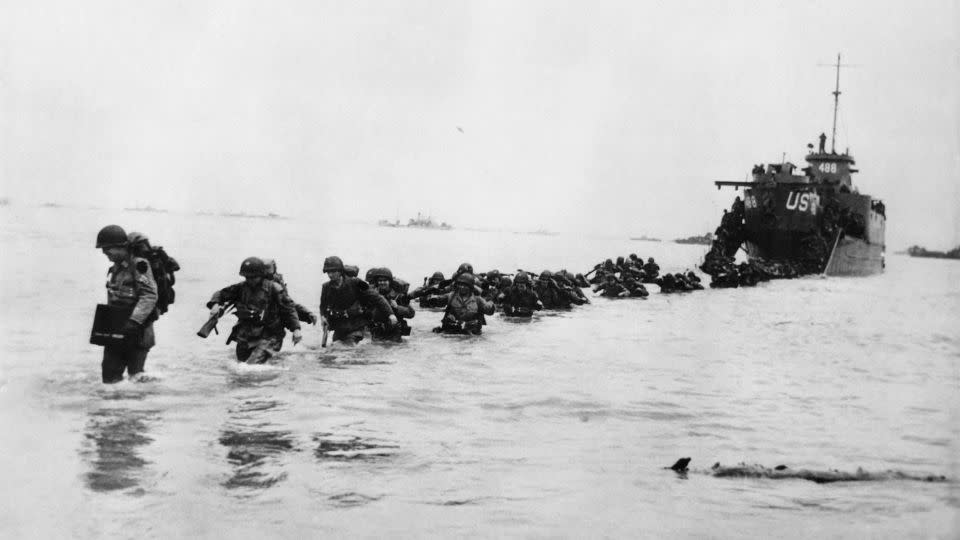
(142, 267)
(358, 283)
(272, 285)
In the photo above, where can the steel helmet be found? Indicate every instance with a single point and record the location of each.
(523, 278)
(545, 275)
(350, 270)
(465, 268)
(252, 267)
(493, 274)
(111, 236)
(332, 264)
(269, 266)
(376, 273)
(437, 275)
(466, 279)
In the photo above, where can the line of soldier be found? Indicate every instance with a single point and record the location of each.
(625, 278)
(349, 306)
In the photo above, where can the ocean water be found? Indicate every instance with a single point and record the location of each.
(559, 427)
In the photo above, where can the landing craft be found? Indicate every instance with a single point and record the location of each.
(818, 215)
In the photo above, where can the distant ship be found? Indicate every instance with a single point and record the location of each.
(704, 240)
(145, 209)
(645, 238)
(270, 215)
(427, 223)
(816, 220)
(917, 251)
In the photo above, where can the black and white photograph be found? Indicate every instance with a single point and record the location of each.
(479, 269)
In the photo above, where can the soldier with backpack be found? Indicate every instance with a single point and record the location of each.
(130, 286)
(263, 311)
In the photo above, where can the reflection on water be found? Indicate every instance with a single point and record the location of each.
(254, 450)
(114, 438)
(349, 448)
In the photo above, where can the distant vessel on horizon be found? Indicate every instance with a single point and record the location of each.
(918, 251)
(270, 215)
(704, 240)
(146, 209)
(645, 238)
(427, 223)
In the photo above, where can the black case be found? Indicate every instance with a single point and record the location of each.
(107, 322)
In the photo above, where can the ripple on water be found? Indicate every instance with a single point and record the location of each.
(255, 455)
(332, 447)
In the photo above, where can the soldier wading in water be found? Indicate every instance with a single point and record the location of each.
(130, 284)
(263, 311)
(346, 301)
(465, 309)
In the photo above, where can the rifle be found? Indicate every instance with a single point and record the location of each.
(326, 330)
(211, 324)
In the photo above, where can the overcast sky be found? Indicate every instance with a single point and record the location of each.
(608, 116)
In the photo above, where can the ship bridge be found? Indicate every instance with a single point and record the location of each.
(831, 169)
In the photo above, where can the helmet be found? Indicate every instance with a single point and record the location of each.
(252, 267)
(465, 268)
(269, 266)
(466, 279)
(332, 264)
(650, 260)
(437, 275)
(633, 256)
(493, 274)
(545, 275)
(523, 278)
(375, 273)
(350, 270)
(111, 236)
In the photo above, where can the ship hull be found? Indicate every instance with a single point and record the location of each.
(792, 224)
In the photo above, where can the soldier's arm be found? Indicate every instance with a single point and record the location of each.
(373, 300)
(288, 310)
(404, 312)
(226, 295)
(146, 293)
(486, 307)
(304, 314)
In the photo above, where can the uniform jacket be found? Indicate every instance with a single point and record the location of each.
(130, 284)
(552, 296)
(401, 311)
(466, 309)
(262, 310)
(514, 297)
(343, 306)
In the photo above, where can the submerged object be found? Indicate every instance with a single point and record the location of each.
(781, 472)
(815, 221)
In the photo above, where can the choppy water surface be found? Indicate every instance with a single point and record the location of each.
(558, 427)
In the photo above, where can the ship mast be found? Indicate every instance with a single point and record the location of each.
(836, 104)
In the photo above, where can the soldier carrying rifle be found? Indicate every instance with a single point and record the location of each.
(263, 311)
